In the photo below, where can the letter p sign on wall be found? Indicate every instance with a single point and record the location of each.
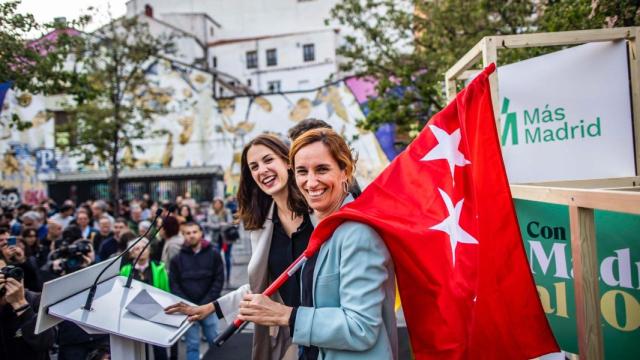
(45, 161)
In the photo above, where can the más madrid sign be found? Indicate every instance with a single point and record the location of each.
(567, 115)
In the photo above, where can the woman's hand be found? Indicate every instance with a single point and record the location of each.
(261, 310)
(195, 313)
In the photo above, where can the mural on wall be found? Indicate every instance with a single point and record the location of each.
(198, 129)
(202, 131)
(18, 162)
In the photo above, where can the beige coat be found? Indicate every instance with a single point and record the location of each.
(269, 343)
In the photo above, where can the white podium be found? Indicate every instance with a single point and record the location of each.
(64, 298)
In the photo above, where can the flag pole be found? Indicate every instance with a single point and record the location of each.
(237, 325)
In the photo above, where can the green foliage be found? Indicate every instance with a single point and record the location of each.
(38, 65)
(122, 100)
(408, 45)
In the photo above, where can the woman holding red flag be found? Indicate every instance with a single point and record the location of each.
(348, 287)
(275, 212)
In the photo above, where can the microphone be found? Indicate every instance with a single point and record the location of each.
(94, 287)
(133, 264)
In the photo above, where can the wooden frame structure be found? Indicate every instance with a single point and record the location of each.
(584, 196)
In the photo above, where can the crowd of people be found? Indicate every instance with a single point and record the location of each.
(339, 306)
(43, 242)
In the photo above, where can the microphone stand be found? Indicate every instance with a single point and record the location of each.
(94, 287)
(133, 264)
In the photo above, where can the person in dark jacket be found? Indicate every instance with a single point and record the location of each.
(17, 323)
(74, 343)
(196, 274)
(15, 255)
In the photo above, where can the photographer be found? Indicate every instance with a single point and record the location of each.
(74, 254)
(13, 253)
(18, 319)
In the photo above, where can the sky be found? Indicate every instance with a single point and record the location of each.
(46, 10)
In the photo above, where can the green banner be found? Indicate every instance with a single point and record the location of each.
(547, 239)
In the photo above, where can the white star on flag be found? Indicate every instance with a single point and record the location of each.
(451, 225)
(447, 148)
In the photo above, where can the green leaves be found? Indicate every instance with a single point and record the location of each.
(408, 45)
(36, 65)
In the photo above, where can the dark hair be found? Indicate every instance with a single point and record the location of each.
(120, 220)
(4, 230)
(29, 249)
(306, 125)
(65, 207)
(26, 232)
(85, 209)
(189, 217)
(171, 226)
(193, 223)
(253, 203)
(124, 239)
(71, 233)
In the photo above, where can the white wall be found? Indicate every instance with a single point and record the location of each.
(291, 69)
(197, 24)
(288, 23)
(187, 48)
(243, 18)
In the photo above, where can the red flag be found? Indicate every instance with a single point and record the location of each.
(445, 212)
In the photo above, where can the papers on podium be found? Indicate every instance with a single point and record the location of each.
(109, 314)
(146, 307)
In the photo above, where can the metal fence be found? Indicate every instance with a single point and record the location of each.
(200, 188)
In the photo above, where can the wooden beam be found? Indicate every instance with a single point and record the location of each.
(451, 89)
(490, 55)
(466, 61)
(634, 73)
(610, 200)
(585, 271)
(468, 74)
(564, 37)
(622, 182)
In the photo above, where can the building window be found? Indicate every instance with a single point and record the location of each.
(272, 57)
(148, 10)
(215, 61)
(308, 52)
(252, 59)
(273, 86)
(66, 130)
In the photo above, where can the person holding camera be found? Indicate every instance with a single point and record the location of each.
(18, 319)
(13, 253)
(74, 254)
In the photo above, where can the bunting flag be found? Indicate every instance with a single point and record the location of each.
(4, 88)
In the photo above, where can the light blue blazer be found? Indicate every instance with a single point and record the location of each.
(353, 295)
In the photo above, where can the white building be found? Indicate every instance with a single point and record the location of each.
(266, 45)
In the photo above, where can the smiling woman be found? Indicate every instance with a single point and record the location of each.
(275, 212)
(348, 287)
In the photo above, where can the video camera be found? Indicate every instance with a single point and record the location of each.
(11, 271)
(71, 255)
